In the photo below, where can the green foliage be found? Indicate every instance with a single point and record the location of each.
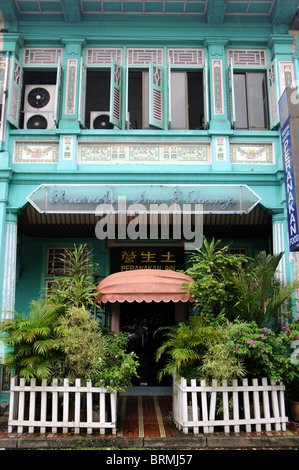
(77, 287)
(259, 294)
(264, 352)
(82, 343)
(219, 361)
(184, 347)
(33, 342)
(61, 338)
(119, 366)
(92, 354)
(212, 287)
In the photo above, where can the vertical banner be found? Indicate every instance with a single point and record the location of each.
(289, 113)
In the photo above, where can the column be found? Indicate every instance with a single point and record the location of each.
(280, 241)
(9, 270)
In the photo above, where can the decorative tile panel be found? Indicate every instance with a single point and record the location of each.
(144, 152)
(36, 152)
(286, 75)
(218, 87)
(71, 83)
(255, 153)
(67, 147)
(220, 144)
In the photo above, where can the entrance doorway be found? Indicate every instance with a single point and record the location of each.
(142, 320)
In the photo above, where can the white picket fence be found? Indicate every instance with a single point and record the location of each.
(254, 407)
(60, 406)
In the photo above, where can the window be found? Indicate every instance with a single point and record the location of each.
(251, 105)
(187, 100)
(98, 99)
(146, 96)
(34, 96)
(56, 265)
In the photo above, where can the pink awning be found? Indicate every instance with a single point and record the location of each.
(144, 286)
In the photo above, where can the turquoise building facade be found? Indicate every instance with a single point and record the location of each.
(138, 99)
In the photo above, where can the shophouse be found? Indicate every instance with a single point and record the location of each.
(144, 101)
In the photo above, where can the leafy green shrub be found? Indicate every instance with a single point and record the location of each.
(264, 352)
(32, 340)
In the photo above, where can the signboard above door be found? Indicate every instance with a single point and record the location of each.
(134, 198)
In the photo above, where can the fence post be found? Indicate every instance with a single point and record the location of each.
(282, 406)
(43, 405)
(65, 405)
(212, 413)
(54, 405)
(274, 396)
(204, 405)
(89, 406)
(256, 404)
(266, 403)
(236, 405)
(77, 416)
(102, 410)
(225, 405)
(113, 401)
(194, 405)
(32, 402)
(12, 402)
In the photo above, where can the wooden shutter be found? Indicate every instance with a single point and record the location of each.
(156, 111)
(116, 82)
(4, 79)
(14, 94)
(169, 94)
(232, 93)
(57, 93)
(82, 93)
(206, 93)
(273, 94)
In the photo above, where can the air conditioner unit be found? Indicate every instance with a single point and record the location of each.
(39, 98)
(39, 105)
(39, 120)
(101, 120)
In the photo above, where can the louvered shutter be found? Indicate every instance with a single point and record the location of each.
(206, 94)
(82, 94)
(232, 93)
(116, 94)
(4, 80)
(57, 93)
(273, 94)
(127, 117)
(156, 113)
(14, 93)
(169, 94)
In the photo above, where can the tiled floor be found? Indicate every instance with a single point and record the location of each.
(145, 416)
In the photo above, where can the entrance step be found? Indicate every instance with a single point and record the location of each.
(146, 390)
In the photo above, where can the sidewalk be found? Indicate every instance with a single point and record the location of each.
(146, 422)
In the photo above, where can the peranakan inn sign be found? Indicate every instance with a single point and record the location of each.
(90, 199)
(289, 122)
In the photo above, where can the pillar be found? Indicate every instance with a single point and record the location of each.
(9, 270)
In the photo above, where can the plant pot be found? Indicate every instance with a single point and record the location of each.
(294, 410)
